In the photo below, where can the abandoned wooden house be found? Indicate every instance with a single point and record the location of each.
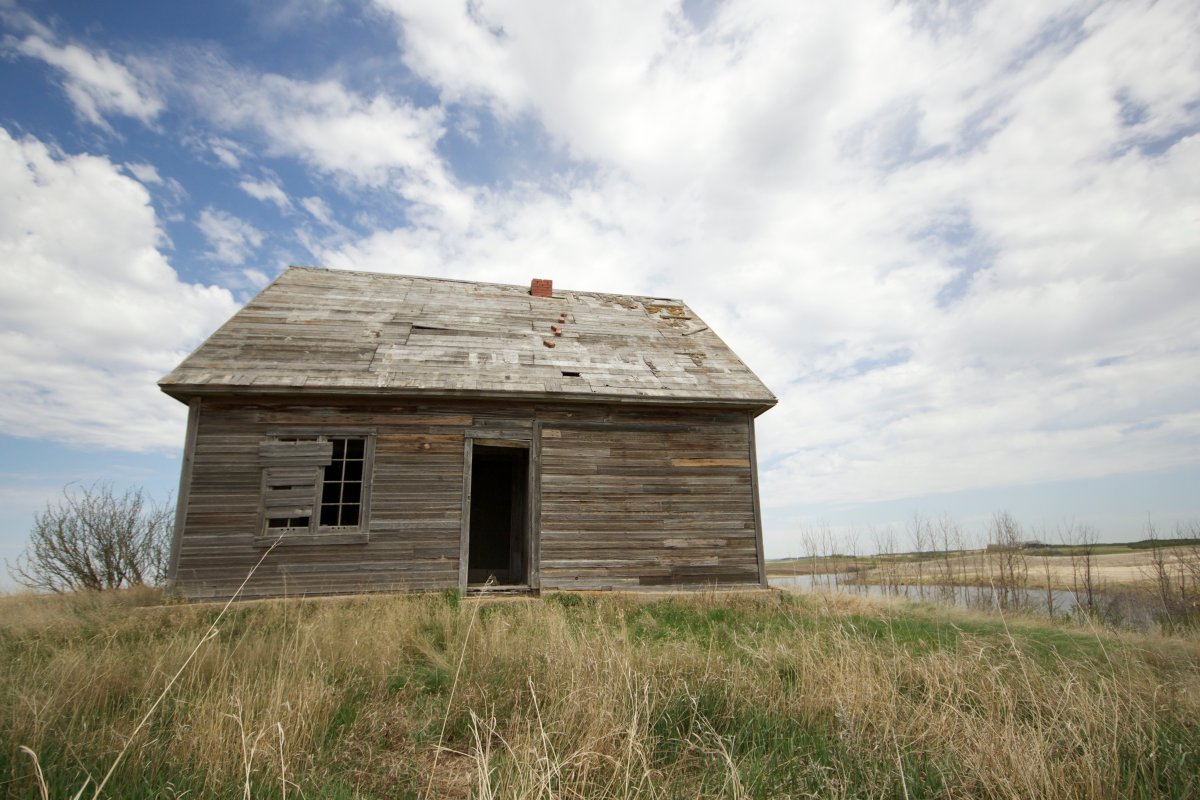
(386, 432)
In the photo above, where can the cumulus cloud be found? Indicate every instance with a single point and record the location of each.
(95, 83)
(231, 240)
(365, 140)
(92, 313)
(376, 142)
(959, 242)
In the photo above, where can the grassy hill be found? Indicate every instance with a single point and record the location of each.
(756, 695)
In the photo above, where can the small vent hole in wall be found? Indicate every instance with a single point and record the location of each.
(567, 374)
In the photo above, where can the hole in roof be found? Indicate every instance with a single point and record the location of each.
(569, 374)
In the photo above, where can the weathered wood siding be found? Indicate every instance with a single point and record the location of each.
(648, 504)
(629, 498)
(414, 516)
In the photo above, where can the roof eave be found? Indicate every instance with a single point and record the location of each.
(185, 392)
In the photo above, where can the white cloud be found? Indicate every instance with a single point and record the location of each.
(369, 141)
(266, 190)
(231, 240)
(92, 314)
(287, 15)
(372, 142)
(146, 173)
(255, 278)
(319, 209)
(227, 152)
(959, 242)
(96, 85)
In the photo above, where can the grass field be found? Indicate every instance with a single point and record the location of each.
(758, 695)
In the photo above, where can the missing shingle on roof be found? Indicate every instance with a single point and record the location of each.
(665, 310)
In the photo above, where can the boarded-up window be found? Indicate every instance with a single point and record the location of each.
(314, 483)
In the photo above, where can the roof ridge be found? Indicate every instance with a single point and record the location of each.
(440, 279)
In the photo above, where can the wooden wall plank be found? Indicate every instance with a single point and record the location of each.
(620, 497)
(627, 504)
(185, 490)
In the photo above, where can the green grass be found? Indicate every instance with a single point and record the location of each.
(754, 695)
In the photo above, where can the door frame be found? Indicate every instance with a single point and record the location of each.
(523, 440)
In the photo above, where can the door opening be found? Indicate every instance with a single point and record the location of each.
(498, 547)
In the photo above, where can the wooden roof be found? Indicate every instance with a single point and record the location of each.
(318, 331)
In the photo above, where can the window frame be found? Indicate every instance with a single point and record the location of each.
(314, 532)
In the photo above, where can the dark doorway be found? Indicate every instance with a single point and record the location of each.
(498, 546)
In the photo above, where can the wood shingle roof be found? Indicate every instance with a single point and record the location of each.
(318, 331)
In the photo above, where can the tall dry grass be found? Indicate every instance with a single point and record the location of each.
(590, 697)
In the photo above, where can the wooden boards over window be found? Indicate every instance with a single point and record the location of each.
(315, 488)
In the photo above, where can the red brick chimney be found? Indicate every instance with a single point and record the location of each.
(541, 287)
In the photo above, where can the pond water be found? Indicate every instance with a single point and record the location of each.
(1126, 608)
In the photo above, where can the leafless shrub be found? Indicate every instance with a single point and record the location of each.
(1175, 570)
(920, 534)
(885, 549)
(94, 538)
(947, 537)
(1010, 572)
(1082, 538)
(1048, 578)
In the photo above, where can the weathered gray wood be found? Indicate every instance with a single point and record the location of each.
(368, 483)
(639, 426)
(606, 505)
(464, 547)
(185, 487)
(758, 531)
(284, 452)
(534, 502)
(321, 332)
(619, 506)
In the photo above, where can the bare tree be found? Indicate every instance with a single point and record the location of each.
(920, 535)
(1160, 569)
(947, 539)
(1012, 571)
(1188, 537)
(853, 565)
(93, 538)
(1048, 575)
(1175, 570)
(812, 549)
(1082, 539)
(885, 550)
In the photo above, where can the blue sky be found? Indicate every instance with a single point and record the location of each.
(961, 242)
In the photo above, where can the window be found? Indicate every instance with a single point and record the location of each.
(315, 488)
(341, 484)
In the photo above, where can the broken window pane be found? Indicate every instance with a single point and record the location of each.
(341, 490)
